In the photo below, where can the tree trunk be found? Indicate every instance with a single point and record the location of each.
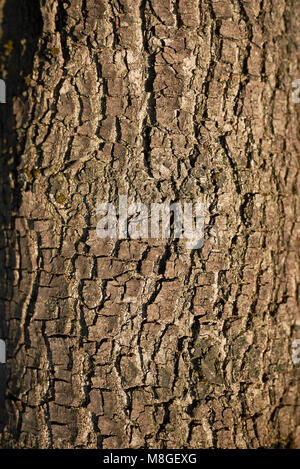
(143, 343)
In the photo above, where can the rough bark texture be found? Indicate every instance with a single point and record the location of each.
(143, 343)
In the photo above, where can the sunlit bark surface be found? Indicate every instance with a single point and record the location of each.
(144, 343)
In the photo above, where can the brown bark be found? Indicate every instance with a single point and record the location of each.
(143, 343)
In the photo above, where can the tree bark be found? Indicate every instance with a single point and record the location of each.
(142, 343)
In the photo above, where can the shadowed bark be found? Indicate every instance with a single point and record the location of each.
(143, 343)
